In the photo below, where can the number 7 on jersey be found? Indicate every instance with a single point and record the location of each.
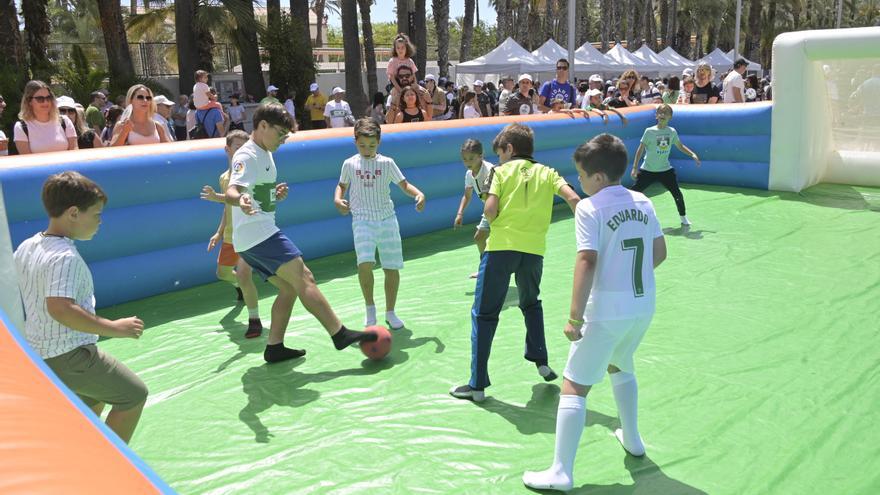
(637, 245)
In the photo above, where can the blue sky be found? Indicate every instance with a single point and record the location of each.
(383, 11)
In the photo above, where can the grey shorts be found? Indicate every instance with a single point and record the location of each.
(98, 377)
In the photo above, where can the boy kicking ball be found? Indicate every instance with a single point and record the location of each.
(256, 238)
(367, 177)
(619, 244)
(657, 142)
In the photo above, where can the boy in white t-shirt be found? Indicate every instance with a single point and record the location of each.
(337, 112)
(619, 244)
(253, 192)
(366, 177)
(203, 97)
(477, 178)
(59, 304)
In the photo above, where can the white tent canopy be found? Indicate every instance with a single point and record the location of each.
(674, 57)
(623, 59)
(753, 66)
(550, 52)
(653, 62)
(589, 59)
(718, 60)
(507, 58)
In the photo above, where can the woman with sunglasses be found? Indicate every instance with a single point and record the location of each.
(136, 126)
(624, 96)
(41, 128)
(705, 91)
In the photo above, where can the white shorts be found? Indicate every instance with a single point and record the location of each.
(484, 223)
(382, 234)
(603, 343)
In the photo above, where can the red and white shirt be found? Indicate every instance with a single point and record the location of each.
(368, 181)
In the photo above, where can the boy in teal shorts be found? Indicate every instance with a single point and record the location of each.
(657, 142)
(518, 208)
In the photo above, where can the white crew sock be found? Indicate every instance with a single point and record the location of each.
(570, 419)
(392, 319)
(626, 394)
(684, 220)
(370, 319)
(254, 313)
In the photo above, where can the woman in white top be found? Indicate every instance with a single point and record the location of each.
(44, 129)
(190, 117)
(136, 126)
(469, 109)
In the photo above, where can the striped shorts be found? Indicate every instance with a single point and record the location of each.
(383, 235)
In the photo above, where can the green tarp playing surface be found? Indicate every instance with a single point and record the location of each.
(759, 374)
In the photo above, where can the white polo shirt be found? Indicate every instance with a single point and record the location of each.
(620, 225)
(50, 266)
(478, 183)
(368, 181)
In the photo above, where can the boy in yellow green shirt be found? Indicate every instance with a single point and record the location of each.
(518, 208)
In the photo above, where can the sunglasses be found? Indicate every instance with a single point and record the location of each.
(144, 97)
(561, 67)
(66, 111)
(42, 99)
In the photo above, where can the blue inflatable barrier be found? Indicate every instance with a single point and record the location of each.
(155, 228)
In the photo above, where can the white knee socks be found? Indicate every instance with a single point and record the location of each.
(570, 419)
(626, 394)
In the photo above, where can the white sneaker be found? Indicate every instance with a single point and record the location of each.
(393, 321)
(466, 392)
(547, 480)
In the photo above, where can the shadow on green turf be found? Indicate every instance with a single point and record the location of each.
(280, 385)
(539, 416)
(826, 195)
(235, 331)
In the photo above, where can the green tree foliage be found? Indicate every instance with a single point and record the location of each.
(291, 60)
(79, 77)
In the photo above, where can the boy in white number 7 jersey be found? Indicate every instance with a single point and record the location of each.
(619, 244)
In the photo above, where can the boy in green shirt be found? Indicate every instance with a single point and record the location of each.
(657, 142)
(518, 208)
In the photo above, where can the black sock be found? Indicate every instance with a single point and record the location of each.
(345, 337)
(275, 353)
(239, 295)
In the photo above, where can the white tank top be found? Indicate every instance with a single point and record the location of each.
(135, 138)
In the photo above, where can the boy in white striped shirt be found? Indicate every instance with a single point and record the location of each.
(59, 304)
(366, 177)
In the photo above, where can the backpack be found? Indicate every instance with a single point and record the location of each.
(200, 131)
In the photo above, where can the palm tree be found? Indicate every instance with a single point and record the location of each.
(187, 54)
(583, 33)
(605, 8)
(403, 10)
(503, 18)
(245, 39)
(440, 10)
(369, 48)
(352, 46)
(650, 29)
(119, 61)
(420, 29)
(11, 49)
(37, 28)
(467, 31)
(753, 39)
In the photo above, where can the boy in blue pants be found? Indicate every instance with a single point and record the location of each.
(518, 208)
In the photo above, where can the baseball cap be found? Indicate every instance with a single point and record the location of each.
(431, 77)
(593, 92)
(162, 100)
(65, 102)
(337, 90)
(687, 72)
(313, 87)
(478, 83)
(271, 88)
(524, 76)
(596, 78)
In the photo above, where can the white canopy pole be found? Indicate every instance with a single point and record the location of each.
(572, 11)
(739, 8)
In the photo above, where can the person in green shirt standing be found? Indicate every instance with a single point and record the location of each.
(519, 207)
(94, 115)
(271, 96)
(656, 144)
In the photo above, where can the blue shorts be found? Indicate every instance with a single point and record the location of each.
(267, 256)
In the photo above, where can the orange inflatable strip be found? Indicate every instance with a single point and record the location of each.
(48, 445)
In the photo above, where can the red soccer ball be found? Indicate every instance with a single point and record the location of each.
(380, 348)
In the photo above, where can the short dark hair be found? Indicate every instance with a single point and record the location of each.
(405, 67)
(740, 62)
(97, 94)
(472, 146)
(674, 84)
(236, 134)
(273, 114)
(604, 153)
(520, 136)
(66, 189)
(563, 60)
(367, 127)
